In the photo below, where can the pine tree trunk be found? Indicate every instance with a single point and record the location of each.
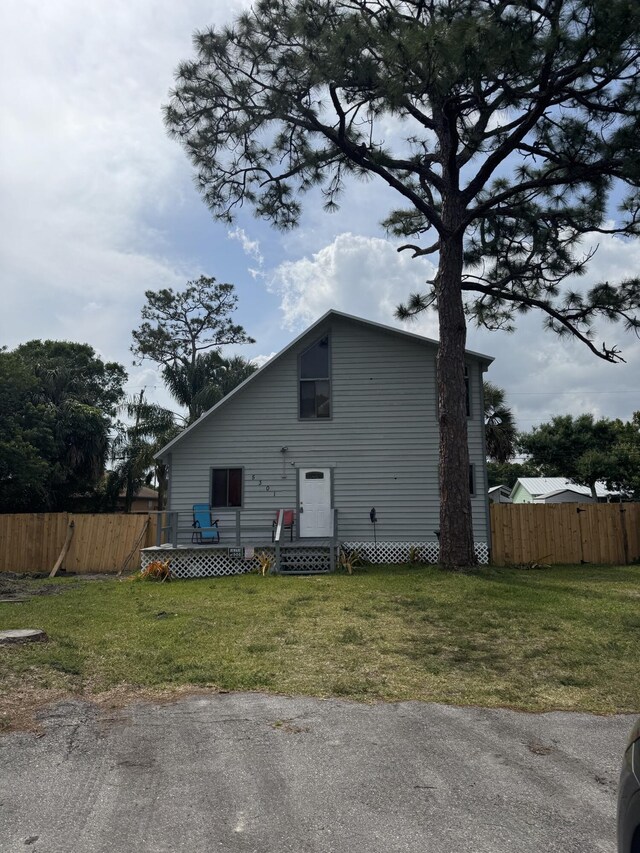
(456, 526)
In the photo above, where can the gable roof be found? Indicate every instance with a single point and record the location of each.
(539, 486)
(145, 492)
(574, 490)
(500, 488)
(487, 359)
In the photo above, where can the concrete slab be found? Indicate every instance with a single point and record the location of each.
(269, 774)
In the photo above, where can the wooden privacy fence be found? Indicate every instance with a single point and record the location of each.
(520, 534)
(32, 542)
(565, 533)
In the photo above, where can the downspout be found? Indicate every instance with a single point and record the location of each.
(168, 464)
(170, 518)
(487, 502)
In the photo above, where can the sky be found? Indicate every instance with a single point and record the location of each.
(97, 205)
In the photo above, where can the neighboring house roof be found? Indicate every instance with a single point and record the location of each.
(539, 486)
(487, 359)
(504, 490)
(499, 494)
(144, 492)
(574, 490)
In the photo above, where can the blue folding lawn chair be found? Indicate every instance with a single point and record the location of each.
(205, 529)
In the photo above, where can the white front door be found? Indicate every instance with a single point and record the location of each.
(315, 502)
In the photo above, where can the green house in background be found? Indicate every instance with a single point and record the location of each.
(556, 490)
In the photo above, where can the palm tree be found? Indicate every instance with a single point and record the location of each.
(200, 386)
(234, 371)
(135, 446)
(499, 425)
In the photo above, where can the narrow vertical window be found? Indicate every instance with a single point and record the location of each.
(467, 393)
(315, 383)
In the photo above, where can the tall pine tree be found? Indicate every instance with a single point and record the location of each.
(516, 123)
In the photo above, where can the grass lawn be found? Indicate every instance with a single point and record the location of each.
(556, 638)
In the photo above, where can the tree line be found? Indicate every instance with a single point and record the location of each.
(506, 132)
(69, 436)
(581, 448)
(514, 145)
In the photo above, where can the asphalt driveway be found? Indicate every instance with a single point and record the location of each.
(267, 774)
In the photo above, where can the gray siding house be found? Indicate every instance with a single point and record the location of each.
(343, 420)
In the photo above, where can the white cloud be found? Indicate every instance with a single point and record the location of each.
(85, 164)
(545, 376)
(260, 360)
(249, 246)
(360, 275)
(542, 374)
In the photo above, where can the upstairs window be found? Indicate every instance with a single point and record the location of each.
(315, 384)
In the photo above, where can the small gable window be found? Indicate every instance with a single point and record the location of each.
(315, 384)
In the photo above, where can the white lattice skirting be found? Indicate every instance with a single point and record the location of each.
(198, 562)
(210, 562)
(405, 552)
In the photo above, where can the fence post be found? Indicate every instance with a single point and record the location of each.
(334, 541)
(625, 538)
(174, 529)
(159, 525)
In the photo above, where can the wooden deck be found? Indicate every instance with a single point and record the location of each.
(302, 556)
(251, 542)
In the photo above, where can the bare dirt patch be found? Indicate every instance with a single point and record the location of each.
(20, 586)
(19, 708)
(24, 709)
(538, 748)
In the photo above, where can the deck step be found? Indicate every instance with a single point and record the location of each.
(302, 571)
(306, 559)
